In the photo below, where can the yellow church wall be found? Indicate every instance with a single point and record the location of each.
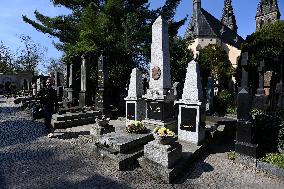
(232, 52)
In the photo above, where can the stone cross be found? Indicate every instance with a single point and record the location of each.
(244, 63)
(260, 89)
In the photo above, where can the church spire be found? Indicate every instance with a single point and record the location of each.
(228, 17)
(267, 12)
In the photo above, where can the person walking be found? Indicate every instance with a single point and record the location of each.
(48, 99)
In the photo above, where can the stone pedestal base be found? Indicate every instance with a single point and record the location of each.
(162, 161)
(165, 155)
(135, 110)
(82, 99)
(69, 93)
(260, 102)
(247, 149)
(191, 123)
(245, 139)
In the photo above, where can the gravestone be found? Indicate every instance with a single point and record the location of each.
(38, 84)
(102, 94)
(191, 118)
(209, 95)
(34, 90)
(69, 88)
(58, 81)
(159, 97)
(244, 63)
(244, 130)
(82, 94)
(267, 81)
(260, 100)
(279, 91)
(135, 105)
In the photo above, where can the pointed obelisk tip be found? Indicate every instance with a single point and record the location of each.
(159, 19)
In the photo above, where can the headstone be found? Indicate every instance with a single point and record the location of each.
(135, 105)
(82, 94)
(102, 94)
(267, 81)
(243, 108)
(244, 63)
(279, 91)
(191, 118)
(58, 81)
(69, 88)
(38, 84)
(34, 90)
(260, 100)
(159, 97)
(209, 94)
(244, 129)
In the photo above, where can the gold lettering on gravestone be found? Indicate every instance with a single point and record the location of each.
(156, 73)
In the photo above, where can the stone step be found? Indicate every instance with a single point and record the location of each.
(72, 116)
(72, 123)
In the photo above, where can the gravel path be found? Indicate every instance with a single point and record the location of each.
(28, 159)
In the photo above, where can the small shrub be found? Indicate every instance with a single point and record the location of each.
(224, 102)
(274, 159)
(232, 155)
(266, 131)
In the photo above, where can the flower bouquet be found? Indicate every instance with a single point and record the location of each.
(164, 135)
(136, 127)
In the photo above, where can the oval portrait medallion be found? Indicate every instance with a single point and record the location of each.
(156, 73)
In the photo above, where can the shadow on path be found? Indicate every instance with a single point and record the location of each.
(20, 131)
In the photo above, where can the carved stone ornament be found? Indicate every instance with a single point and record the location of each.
(156, 73)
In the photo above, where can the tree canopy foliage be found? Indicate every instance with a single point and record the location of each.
(6, 58)
(265, 44)
(214, 62)
(181, 55)
(121, 28)
(27, 57)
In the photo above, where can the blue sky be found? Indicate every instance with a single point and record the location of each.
(11, 24)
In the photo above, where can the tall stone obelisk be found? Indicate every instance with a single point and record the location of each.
(159, 97)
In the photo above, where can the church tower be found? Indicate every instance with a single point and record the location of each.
(228, 17)
(267, 12)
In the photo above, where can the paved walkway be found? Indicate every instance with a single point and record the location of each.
(28, 159)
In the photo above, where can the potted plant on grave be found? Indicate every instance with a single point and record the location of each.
(164, 135)
(136, 127)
